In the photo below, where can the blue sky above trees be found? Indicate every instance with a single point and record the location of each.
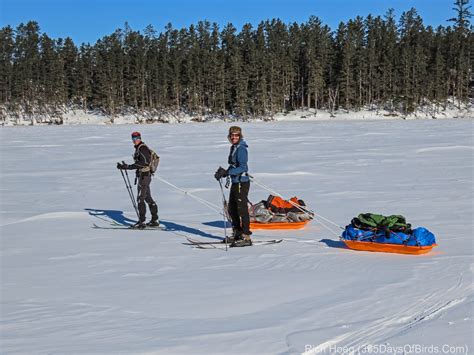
(89, 20)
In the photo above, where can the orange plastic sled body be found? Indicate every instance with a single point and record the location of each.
(388, 248)
(278, 225)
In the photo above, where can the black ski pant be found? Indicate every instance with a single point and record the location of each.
(144, 195)
(238, 208)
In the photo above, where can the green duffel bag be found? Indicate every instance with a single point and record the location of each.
(371, 221)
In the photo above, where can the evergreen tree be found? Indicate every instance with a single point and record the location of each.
(175, 59)
(319, 44)
(51, 75)
(413, 59)
(69, 56)
(246, 80)
(438, 88)
(232, 64)
(259, 94)
(388, 53)
(85, 72)
(462, 50)
(202, 65)
(134, 62)
(279, 71)
(26, 68)
(344, 64)
(7, 50)
(217, 63)
(108, 84)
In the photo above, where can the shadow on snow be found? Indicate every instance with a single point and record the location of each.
(118, 217)
(217, 224)
(334, 243)
(111, 215)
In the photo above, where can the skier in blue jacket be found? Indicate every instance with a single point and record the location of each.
(239, 190)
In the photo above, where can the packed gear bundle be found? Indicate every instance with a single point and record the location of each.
(374, 232)
(277, 213)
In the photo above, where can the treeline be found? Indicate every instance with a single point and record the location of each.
(273, 67)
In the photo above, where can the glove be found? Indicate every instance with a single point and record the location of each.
(220, 173)
(122, 166)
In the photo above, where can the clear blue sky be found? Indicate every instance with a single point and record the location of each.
(89, 20)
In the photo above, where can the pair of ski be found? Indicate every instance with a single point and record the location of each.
(196, 243)
(115, 225)
(227, 218)
(221, 245)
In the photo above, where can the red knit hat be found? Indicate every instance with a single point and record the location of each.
(136, 135)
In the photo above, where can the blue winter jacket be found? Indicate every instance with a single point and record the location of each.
(238, 160)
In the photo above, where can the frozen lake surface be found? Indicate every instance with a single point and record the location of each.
(70, 288)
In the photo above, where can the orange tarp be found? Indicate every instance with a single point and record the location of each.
(281, 203)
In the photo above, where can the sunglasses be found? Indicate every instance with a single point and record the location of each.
(135, 138)
(235, 135)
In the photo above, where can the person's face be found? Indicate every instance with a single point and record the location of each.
(136, 140)
(234, 138)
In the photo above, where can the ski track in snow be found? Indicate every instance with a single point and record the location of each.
(289, 174)
(51, 215)
(441, 149)
(40, 146)
(380, 331)
(70, 288)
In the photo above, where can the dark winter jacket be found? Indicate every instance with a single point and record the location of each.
(142, 158)
(238, 160)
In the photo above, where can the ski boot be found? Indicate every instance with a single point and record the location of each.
(153, 223)
(236, 235)
(138, 225)
(244, 242)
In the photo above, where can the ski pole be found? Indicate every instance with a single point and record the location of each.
(130, 188)
(130, 191)
(134, 201)
(224, 206)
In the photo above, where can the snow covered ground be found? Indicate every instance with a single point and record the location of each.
(69, 288)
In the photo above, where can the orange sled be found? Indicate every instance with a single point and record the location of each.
(278, 225)
(388, 248)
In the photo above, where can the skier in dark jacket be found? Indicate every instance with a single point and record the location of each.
(238, 197)
(142, 158)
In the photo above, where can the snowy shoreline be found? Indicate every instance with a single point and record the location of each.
(74, 116)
